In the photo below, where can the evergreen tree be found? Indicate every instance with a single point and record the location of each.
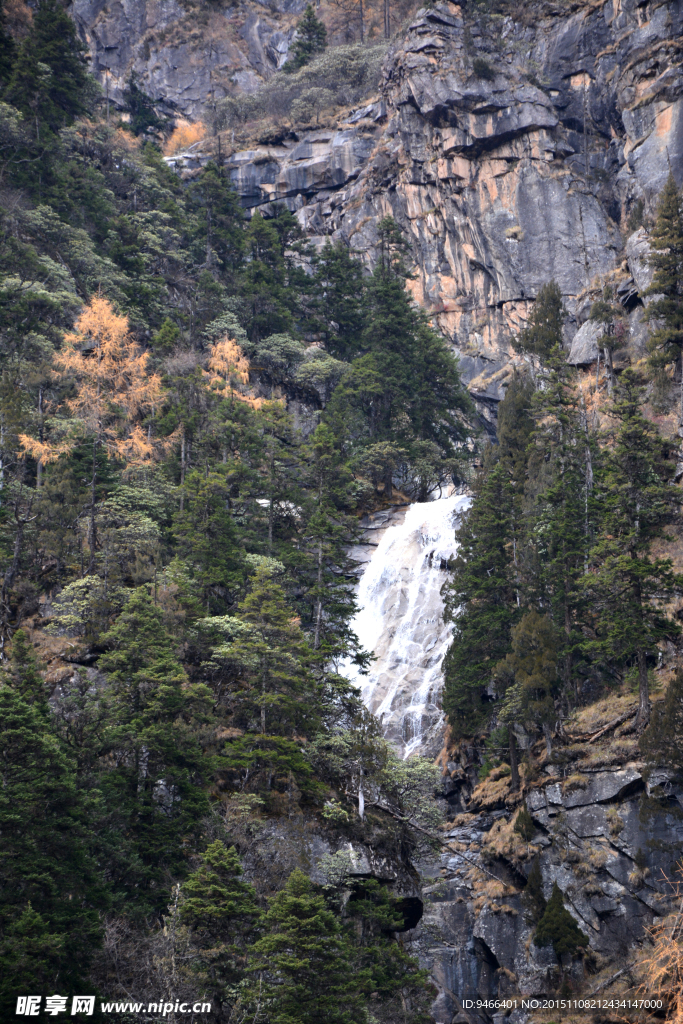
(530, 672)
(140, 106)
(533, 892)
(560, 514)
(543, 332)
(480, 601)
(156, 768)
(311, 39)
(666, 311)
(305, 975)
(611, 315)
(221, 911)
(662, 741)
(50, 890)
(23, 676)
(338, 310)
(49, 82)
(626, 587)
(219, 219)
(8, 50)
(557, 928)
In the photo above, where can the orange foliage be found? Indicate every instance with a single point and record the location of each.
(114, 389)
(663, 967)
(184, 136)
(230, 367)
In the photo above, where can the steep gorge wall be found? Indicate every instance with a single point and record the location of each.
(502, 182)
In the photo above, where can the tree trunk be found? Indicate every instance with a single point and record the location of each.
(387, 19)
(360, 11)
(610, 370)
(388, 482)
(514, 770)
(93, 522)
(182, 466)
(319, 609)
(643, 716)
(263, 703)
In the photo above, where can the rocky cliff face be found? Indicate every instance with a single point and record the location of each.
(605, 841)
(185, 56)
(514, 149)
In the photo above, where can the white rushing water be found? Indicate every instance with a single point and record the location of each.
(400, 619)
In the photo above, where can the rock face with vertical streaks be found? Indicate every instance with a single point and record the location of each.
(513, 149)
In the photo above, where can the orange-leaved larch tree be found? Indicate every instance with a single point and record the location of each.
(229, 368)
(113, 392)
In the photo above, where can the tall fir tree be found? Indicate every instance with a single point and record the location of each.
(480, 600)
(50, 82)
(51, 892)
(544, 329)
(311, 39)
(222, 912)
(155, 770)
(626, 586)
(302, 966)
(666, 258)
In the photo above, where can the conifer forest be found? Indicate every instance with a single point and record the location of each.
(341, 511)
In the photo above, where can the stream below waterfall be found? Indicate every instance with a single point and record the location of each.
(400, 619)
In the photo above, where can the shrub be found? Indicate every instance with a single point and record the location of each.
(184, 135)
(483, 69)
(346, 75)
(557, 927)
(525, 825)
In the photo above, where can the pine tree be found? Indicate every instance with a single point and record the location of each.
(140, 106)
(50, 889)
(23, 676)
(218, 219)
(329, 531)
(543, 332)
(662, 741)
(8, 51)
(276, 648)
(480, 601)
(303, 962)
(311, 39)
(666, 257)
(560, 516)
(49, 82)
(339, 305)
(533, 892)
(626, 587)
(557, 928)
(157, 768)
(221, 911)
(611, 315)
(530, 670)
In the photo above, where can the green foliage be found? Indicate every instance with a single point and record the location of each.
(543, 334)
(303, 960)
(49, 884)
(662, 741)
(525, 825)
(49, 82)
(666, 258)
(311, 39)
(533, 892)
(558, 928)
(483, 69)
(480, 600)
(140, 107)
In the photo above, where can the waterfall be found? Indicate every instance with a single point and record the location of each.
(400, 619)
